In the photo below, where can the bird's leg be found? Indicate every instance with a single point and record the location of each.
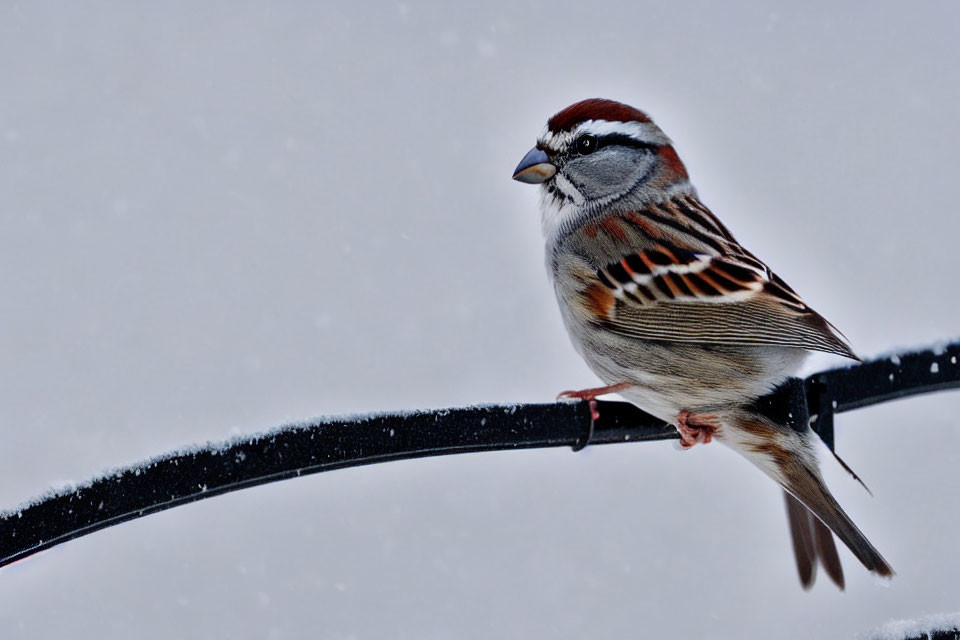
(590, 395)
(696, 427)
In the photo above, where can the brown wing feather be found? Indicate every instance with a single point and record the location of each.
(751, 322)
(672, 273)
(670, 293)
(677, 274)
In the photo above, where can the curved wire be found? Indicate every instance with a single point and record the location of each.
(178, 478)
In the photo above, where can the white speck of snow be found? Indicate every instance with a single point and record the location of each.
(953, 359)
(891, 377)
(895, 360)
(483, 421)
(116, 475)
(898, 629)
(935, 368)
(392, 433)
(834, 404)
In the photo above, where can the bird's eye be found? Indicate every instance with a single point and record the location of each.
(586, 144)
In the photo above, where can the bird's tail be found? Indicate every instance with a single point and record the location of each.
(812, 544)
(788, 456)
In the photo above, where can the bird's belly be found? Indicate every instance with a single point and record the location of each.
(668, 377)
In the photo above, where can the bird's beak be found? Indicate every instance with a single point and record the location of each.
(534, 168)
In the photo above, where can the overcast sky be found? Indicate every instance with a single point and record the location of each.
(219, 217)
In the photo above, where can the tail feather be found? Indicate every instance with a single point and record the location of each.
(807, 486)
(788, 457)
(812, 544)
(827, 551)
(801, 533)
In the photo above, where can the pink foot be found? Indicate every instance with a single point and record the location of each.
(590, 395)
(696, 427)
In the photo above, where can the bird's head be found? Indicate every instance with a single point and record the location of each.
(597, 153)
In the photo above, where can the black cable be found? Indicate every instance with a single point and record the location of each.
(178, 478)
(879, 380)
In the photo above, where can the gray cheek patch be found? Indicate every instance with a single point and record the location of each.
(608, 173)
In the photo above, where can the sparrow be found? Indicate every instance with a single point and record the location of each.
(671, 312)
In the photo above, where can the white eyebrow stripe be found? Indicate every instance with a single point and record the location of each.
(640, 131)
(645, 132)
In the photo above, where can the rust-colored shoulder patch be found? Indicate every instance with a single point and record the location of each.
(599, 301)
(595, 109)
(609, 225)
(645, 225)
(613, 229)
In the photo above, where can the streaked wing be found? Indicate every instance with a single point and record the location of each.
(750, 322)
(695, 283)
(668, 273)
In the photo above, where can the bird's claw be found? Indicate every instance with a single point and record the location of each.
(696, 427)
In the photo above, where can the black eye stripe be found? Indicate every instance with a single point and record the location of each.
(623, 141)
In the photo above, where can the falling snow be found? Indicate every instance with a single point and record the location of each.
(221, 216)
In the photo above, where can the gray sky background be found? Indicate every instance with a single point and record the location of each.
(218, 217)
